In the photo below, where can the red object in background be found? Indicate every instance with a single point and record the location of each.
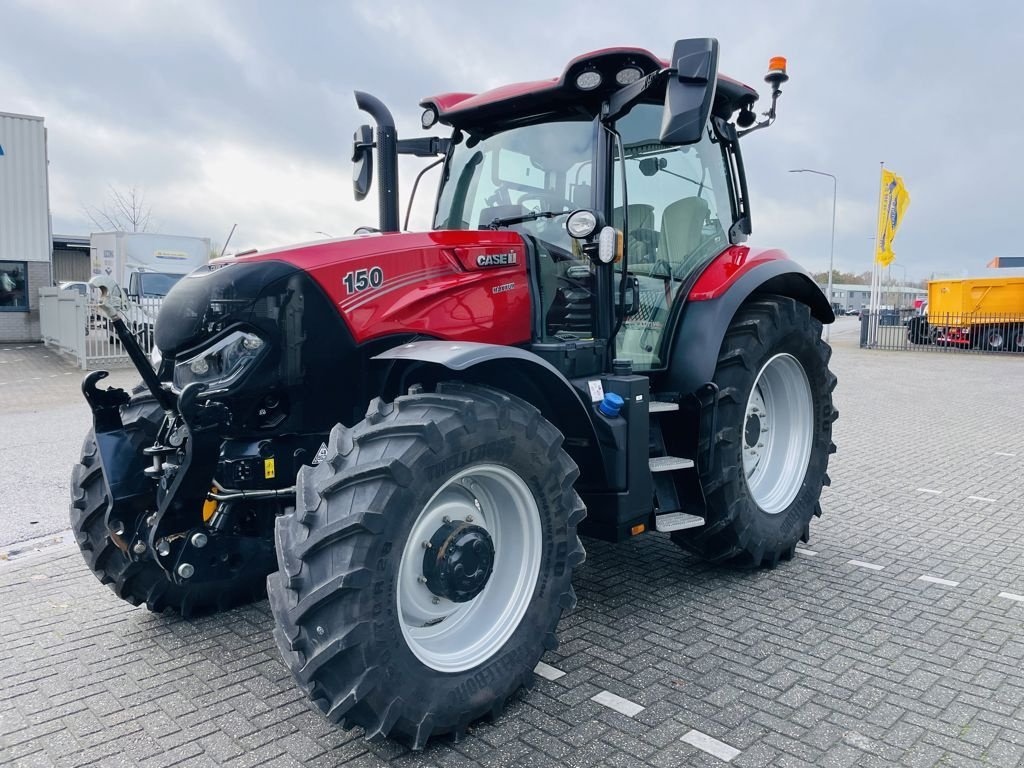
(428, 283)
(918, 303)
(728, 267)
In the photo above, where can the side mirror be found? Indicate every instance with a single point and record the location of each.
(362, 161)
(690, 92)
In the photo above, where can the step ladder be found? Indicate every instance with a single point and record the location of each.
(664, 485)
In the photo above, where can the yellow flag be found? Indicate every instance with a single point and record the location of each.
(893, 201)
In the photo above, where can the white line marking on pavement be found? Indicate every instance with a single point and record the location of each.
(711, 745)
(980, 498)
(547, 671)
(862, 564)
(1011, 596)
(619, 704)
(809, 552)
(927, 490)
(1011, 455)
(937, 580)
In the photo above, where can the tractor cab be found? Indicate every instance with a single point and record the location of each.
(622, 144)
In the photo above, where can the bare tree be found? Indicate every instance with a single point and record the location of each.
(124, 211)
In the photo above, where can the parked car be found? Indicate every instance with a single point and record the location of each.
(75, 285)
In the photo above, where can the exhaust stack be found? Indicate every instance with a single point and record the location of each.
(387, 158)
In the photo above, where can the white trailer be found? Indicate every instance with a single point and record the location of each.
(24, 225)
(144, 264)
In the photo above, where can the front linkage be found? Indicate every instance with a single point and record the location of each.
(173, 512)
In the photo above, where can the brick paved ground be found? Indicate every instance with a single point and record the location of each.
(819, 662)
(43, 418)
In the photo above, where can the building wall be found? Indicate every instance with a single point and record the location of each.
(70, 265)
(24, 225)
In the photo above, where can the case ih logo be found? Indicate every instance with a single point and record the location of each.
(497, 259)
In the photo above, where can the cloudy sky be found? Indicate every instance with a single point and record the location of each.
(242, 112)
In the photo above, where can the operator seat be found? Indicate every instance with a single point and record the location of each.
(682, 226)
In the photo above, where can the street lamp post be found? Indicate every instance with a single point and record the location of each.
(832, 248)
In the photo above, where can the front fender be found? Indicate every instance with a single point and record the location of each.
(510, 369)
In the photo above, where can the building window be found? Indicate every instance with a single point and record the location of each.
(13, 286)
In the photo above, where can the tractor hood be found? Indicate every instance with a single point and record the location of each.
(469, 285)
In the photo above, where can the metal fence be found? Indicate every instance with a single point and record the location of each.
(72, 324)
(909, 329)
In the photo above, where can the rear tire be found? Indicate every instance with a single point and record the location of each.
(142, 581)
(351, 553)
(775, 389)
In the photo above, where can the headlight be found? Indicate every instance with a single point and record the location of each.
(222, 363)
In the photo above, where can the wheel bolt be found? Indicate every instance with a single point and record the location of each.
(163, 548)
(422, 579)
(436, 600)
(321, 631)
(199, 540)
(469, 518)
(427, 545)
(185, 570)
(117, 527)
(446, 519)
(151, 520)
(139, 547)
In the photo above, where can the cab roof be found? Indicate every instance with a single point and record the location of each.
(530, 101)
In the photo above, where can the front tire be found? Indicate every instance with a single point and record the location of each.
(385, 613)
(763, 470)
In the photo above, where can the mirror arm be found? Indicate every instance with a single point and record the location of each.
(430, 146)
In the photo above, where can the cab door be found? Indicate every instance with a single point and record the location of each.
(677, 220)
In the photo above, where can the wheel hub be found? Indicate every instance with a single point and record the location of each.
(459, 561)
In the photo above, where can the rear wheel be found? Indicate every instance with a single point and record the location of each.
(427, 562)
(139, 581)
(1016, 340)
(993, 338)
(763, 471)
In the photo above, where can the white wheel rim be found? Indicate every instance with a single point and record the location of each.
(777, 433)
(450, 636)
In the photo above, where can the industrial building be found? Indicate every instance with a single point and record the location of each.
(853, 296)
(25, 245)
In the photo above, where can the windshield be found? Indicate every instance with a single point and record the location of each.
(157, 283)
(545, 167)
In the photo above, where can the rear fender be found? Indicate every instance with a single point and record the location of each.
(510, 369)
(706, 317)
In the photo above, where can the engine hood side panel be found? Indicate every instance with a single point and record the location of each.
(451, 285)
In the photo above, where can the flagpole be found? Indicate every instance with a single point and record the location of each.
(875, 269)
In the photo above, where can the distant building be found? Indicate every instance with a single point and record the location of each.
(852, 296)
(71, 258)
(24, 225)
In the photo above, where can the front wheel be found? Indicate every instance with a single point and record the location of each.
(763, 470)
(427, 562)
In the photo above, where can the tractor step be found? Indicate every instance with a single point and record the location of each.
(660, 406)
(668, 463)
(677, 521)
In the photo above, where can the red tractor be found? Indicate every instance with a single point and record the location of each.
(408, 431)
